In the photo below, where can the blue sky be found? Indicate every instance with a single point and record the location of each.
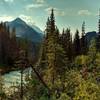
(68, 13)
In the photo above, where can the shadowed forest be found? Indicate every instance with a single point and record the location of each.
(64, 67)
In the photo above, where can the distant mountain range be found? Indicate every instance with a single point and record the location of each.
(23, 30)
(33, 33)
(90, 36)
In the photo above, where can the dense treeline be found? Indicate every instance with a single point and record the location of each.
(12, 47)
(8, 45)
(67, 69)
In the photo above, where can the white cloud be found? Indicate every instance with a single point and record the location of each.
(58, 12)
(84, 12)
(6, 18)
(40, 1)
(30, 6)
(9, 1)
(27, 19)
(36, 4)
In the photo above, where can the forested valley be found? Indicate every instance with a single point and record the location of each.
(67, 67)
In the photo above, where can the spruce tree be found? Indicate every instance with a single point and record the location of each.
(47, 30)
(76, 44)
(52, 55)
(52, 22)
(62, 38)
(67, 43)
(98, 35)
(57, 36)
(83, 40)
(48, 51)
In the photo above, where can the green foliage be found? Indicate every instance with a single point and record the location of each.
(64, 96)
(2, 92)
(97, 60)
(92, 49)
(87, 91)
(82, 60)
(54, 79)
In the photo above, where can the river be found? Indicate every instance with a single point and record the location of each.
(14, 77)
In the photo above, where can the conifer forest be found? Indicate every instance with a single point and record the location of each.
(52, 64)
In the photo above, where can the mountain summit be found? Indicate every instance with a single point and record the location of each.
(18, 20)
(23, 30)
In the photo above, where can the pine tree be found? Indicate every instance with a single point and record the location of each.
(52, 55)
(98, 36)
(47, 29)
(83, 40)
(62, 38)
(76, 44)
(67, 43)
(57, 39)
(48, 50)
(52, 23)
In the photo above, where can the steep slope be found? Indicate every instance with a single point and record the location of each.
(23, 30)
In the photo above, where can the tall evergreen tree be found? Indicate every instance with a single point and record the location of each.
(57, 36)
(76, 44)
(52, 22)
(47, 31)
(51, 50)
(98, 36)
(52, 55)
(83, 40)
(67, 43)
(62, 38)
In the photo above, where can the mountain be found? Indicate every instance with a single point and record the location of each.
(90, 36)
(32, 33)
(23, 30)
